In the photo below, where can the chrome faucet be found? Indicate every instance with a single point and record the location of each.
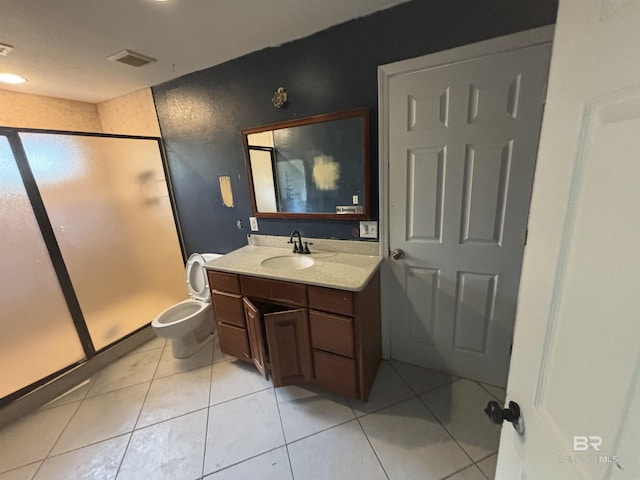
(297, 247)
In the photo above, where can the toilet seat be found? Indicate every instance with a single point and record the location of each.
(189, 324)
(196, 278)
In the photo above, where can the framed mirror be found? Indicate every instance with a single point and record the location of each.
(316, 167)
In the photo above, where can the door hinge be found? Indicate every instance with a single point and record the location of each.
(544, 92)
(526, 236)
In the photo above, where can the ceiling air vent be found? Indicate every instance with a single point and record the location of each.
(5, 49)
(131, 58)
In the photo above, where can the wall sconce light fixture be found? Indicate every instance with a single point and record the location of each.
(279, 99)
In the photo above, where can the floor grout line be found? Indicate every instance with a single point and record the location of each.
(124, 454)
(451, 475)
(321, 431)
(242, 461)
(206, 430)
(445, 429)
(483, 473)
(357, 416)
(429, 390)
(61, 432)
(486, 390)
(372, 448)
(24, 466)
(284, 435)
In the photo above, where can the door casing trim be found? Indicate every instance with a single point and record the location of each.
(516, 41)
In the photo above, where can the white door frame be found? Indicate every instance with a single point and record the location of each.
(385, 73)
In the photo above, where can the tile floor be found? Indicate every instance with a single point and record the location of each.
(150, 416)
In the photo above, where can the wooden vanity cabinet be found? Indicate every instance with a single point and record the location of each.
(279, 341)
(257, 338)
(346, 338)
(232, 330)
(301, 333)
(289, 347)
(229, 312)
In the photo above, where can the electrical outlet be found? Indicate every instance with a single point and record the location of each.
(368, 229)
(253, 221)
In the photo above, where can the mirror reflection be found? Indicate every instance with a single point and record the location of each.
(312, 167)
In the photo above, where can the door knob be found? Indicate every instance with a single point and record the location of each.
(397, 254)
(497, 415)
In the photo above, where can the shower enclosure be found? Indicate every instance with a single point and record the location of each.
(90, 249)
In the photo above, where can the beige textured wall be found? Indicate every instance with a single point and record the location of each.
(35, 111)
(131, 114)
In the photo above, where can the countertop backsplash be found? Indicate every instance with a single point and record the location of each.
(318, 244)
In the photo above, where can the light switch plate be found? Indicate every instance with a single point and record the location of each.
(253, 221)
(368, 229)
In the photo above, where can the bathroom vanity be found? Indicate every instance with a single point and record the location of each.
(311, 321)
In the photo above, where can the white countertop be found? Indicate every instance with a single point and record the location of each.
(345, 271)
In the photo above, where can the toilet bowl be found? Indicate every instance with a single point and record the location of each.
(189, 324)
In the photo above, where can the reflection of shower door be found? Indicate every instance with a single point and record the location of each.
(103, 208)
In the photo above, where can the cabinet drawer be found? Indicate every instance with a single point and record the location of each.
(331, 300)
(274, 290)
(228, 308)
(234, 341)
(227, 282)
(332, 333)
(335, 373)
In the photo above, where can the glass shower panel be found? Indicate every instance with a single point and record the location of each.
(109, 207)
(38, 336)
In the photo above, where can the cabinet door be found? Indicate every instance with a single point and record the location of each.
(256, 337)
(233, 341)
(289, 346)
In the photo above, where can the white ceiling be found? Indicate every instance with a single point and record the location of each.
(61, 46)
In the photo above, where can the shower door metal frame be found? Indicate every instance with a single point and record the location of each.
(48, 235)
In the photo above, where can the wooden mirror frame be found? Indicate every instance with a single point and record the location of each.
(362, 113)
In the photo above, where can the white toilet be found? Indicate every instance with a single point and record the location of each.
(190, 323)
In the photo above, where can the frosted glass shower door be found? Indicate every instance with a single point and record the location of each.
(109, 206)
(37, 334)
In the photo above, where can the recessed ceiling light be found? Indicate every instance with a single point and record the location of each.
(11, 78)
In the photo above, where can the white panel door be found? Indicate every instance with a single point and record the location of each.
(575, 370)
(463, 139)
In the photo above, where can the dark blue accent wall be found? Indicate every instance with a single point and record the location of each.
(202, 114)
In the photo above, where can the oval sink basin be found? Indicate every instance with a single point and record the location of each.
(288, 262)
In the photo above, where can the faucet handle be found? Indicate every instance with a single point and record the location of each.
(295, 247)
(306, 247)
